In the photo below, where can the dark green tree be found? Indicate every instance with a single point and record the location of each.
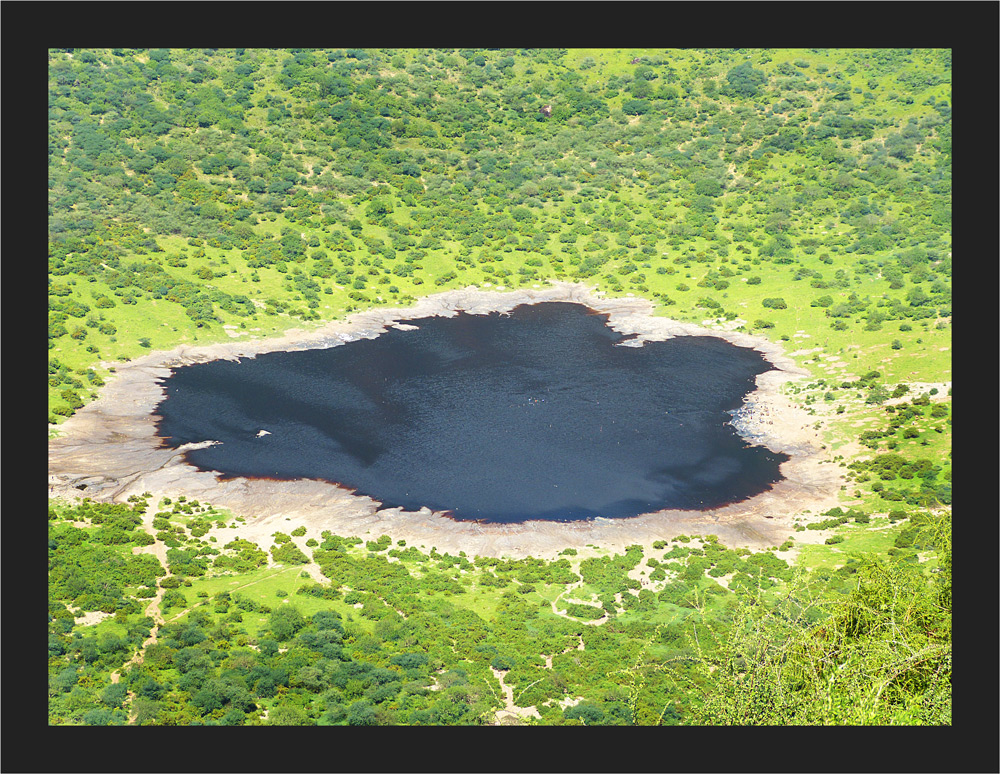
(285, 622)
(744, 81)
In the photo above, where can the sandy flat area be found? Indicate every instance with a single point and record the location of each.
(109, 449)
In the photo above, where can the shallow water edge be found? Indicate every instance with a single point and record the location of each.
(110, 449)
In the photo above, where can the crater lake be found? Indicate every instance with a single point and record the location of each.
(541, 413)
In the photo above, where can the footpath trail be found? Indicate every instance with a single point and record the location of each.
(565, 614)
(159, 550)
(514, 714)
(511, 714)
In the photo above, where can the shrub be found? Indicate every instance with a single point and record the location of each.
(285, 621)
(173, 598)
(288, 553)
(101, 717)
(319, 590)
(584, 612)
(589, 714)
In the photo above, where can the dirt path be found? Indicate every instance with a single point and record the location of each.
(565, 613)
(578, 646)
(159, 550)
(512, 714)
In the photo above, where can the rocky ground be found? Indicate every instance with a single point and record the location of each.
(110, 449)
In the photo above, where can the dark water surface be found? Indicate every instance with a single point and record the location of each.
(532, 415)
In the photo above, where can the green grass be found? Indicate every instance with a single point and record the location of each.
(858, 539)
(481, 600)
(259, 585)
(106, 627)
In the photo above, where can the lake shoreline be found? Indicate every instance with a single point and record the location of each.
(110, 449)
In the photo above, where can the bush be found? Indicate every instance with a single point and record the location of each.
(288, 553)
(113, 696)
(173, 598)
(584, 612)
(319, 590)
(285, 621)
(589, 714)
(101, 717)
(362, 713)
(677, 593)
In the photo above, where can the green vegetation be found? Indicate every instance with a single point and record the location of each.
(413, 638)
(195, 191)
(801, 195)
(880, 656)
